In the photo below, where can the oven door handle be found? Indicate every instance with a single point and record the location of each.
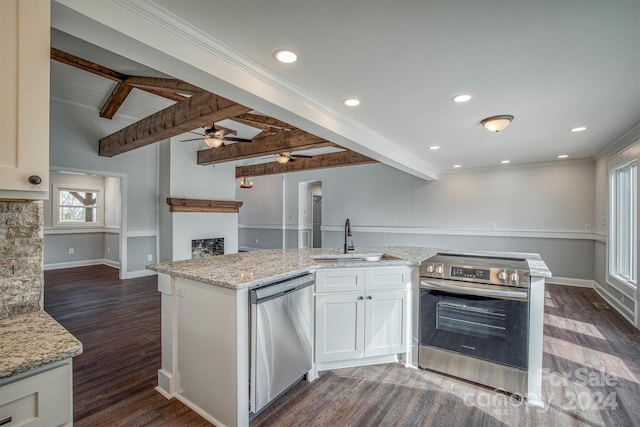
(469, 290)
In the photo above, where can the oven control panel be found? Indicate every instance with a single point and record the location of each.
(470, 273)
(492, 275)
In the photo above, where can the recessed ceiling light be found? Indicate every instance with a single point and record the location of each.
(351, 102)
(579, 129)
(457, 166)
(434, 147)
(504, 162)
(563, 156)
(461, 98)
(286, 56)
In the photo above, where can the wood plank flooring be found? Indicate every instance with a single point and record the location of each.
(591, 361)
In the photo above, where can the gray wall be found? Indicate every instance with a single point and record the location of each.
(543, 208)
(86, 247)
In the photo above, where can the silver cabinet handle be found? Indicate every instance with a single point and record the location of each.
(360, 298)
(369, 297)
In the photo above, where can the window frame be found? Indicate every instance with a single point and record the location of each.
(613, 265)
(57, 188)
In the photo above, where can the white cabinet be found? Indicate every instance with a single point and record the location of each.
(24, 84)
(39, 398)
(361, 313)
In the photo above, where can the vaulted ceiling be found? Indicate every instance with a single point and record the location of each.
(553, 65)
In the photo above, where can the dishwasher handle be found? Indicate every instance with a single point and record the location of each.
(277, 289)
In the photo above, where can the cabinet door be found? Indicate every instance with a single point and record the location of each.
(339, 327)
(385, 323)
(380, 278)
(340, 280)
(24, 84)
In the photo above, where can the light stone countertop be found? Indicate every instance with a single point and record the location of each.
(259, 267)
(31, 340)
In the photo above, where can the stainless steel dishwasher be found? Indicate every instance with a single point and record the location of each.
(281, 337)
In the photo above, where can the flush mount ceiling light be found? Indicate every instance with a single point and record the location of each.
(497, 123)
(579, 129)
(245, 184)
(434, 147)
(505, 162)
(563, 156)
(457, 166)
(351, 102)
(285, 56)
(461, 98)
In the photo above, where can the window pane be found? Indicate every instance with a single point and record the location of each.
(77, 198)
(78, 214)
(624, 223)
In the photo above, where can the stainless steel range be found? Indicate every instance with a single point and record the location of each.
(474, 319)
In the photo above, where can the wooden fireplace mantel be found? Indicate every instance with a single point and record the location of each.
(201, 205)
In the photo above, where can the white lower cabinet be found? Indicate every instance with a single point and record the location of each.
(39, 398)
(372, 321)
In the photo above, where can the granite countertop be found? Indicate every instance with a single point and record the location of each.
(255, 268)
(31, 340)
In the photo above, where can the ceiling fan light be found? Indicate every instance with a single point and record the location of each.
(282, 159)
(245, 184)
(497, 123)
(213, 142)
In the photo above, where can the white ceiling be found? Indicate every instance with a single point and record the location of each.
(553, 65)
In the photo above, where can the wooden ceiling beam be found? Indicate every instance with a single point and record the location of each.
(115, 100)
(263, 123)
(173, 85)
(198, 111)
(166, 88)
(295, 140)
(165, 94)
(322, 161)
(90, 67)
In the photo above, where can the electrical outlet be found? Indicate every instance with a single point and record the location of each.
(108, 249)
(180, 291)
(587, 227)
(256, 241)
(492, 226)
(71, 251)
(149, 257)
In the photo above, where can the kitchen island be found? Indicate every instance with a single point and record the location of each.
(206, 327)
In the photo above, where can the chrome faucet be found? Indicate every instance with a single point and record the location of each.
(347, 232)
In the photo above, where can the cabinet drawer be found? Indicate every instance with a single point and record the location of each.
(42, 399)
(388, 278)
(340, 280)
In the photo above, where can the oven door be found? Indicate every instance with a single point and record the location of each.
(483, 321)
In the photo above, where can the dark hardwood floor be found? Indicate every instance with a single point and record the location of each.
(591, 362)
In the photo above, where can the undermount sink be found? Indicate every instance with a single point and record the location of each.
(372, 257)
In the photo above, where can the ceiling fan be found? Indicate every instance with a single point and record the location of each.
(215, 137)
(287, 156)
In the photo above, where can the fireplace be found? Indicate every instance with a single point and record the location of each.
(202, 248)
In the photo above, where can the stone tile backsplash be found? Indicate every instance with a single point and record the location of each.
(21, 251)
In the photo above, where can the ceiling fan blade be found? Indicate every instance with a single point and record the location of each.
(194, 139)
(233, 138)
(302, 156)
(196, 133)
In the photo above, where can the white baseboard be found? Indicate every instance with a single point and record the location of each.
(83, 263)
(621, 309)
(569, 281)
(138, 273)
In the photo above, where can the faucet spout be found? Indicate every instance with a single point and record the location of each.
(347, 232)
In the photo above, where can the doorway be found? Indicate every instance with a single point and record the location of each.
(316, 221)
(310, 214)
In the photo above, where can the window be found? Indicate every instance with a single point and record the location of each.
(77, 207)
(623, 220)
